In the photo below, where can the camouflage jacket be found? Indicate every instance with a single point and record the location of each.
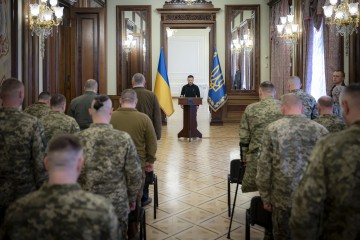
(331, 123)
(337, 111)
(22, 148)
(112, 167)
(66, 211)
(253, 122)
(287, 144)
(309, 103)
(326, 204)
(38, 109)
(58, 123)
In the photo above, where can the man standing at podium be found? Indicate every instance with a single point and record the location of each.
(190, 89)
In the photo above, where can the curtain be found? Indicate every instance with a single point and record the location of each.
(280, 51)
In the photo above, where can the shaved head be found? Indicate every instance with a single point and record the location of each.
(128, 96)
(291, 104)
(325, 101)
(294, 83)
(101, 105)
(350, 103)
(63, 152)
(10, 88)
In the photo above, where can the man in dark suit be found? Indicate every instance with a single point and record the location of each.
(190, 89)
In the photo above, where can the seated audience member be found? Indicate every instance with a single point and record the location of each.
(79, 106)
(308, 101)
(327, 119)
(112, 167)
(60, 209)
(336, 98)
(41, 107)
(56, 122)
(326, 203)
(22, 147)
(139, 126)
(285, 151)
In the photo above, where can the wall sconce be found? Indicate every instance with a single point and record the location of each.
(288, 29)
(170, 32)
(246, 43)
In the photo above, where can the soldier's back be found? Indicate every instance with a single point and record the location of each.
(110, 155)
(331, 123)
(66, 211)
(258, 116)
(22, 145)
(58, 123)
(293, 138)
(309, 103)
(38, 109)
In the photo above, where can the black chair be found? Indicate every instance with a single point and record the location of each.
(236, 175)
(256, 214)
(152, 179)
(142, 224)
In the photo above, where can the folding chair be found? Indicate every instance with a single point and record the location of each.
(256, 214)
(142, 224)
(152, 179)
(233, 177)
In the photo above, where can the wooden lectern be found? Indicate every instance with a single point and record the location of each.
(190, 125)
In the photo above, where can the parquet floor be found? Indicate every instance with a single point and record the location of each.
(192, 183)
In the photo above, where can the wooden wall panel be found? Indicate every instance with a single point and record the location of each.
(88, 48)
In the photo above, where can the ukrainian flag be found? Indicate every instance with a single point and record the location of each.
(162, 87)
(217, 92)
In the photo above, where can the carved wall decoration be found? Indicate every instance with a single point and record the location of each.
(188, 17)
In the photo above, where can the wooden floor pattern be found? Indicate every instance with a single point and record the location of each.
(192, 183)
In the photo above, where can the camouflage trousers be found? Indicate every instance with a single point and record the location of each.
(123, 225)
(280, 223)
(248, 182)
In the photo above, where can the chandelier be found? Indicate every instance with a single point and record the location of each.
(246, 43)
(288, 30)
(344, 15)
(189, 2)
(44, 17)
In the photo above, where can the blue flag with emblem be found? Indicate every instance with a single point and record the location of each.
(217, 92)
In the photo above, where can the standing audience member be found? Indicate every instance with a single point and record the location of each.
(79, 106)
(326, 204)
(41, 107)
(148, 104)
(253, 122)
(22, 147)
(286, 147)
(308, 101)
(56, 122)
(327, 119)
(336, 98)
(60, 209)
(338, 80)
(139, 126)
(112, 167)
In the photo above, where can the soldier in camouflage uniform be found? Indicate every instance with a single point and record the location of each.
(326, 203)
(112, 167)
(253, 122)
(329, 121)
(286, 147)
(308, 101)
(336, 97)
(60, 209)
(57, 122)
(41, 107)
(22, 147)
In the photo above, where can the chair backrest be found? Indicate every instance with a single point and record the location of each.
(237, 170)
(258, 215)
